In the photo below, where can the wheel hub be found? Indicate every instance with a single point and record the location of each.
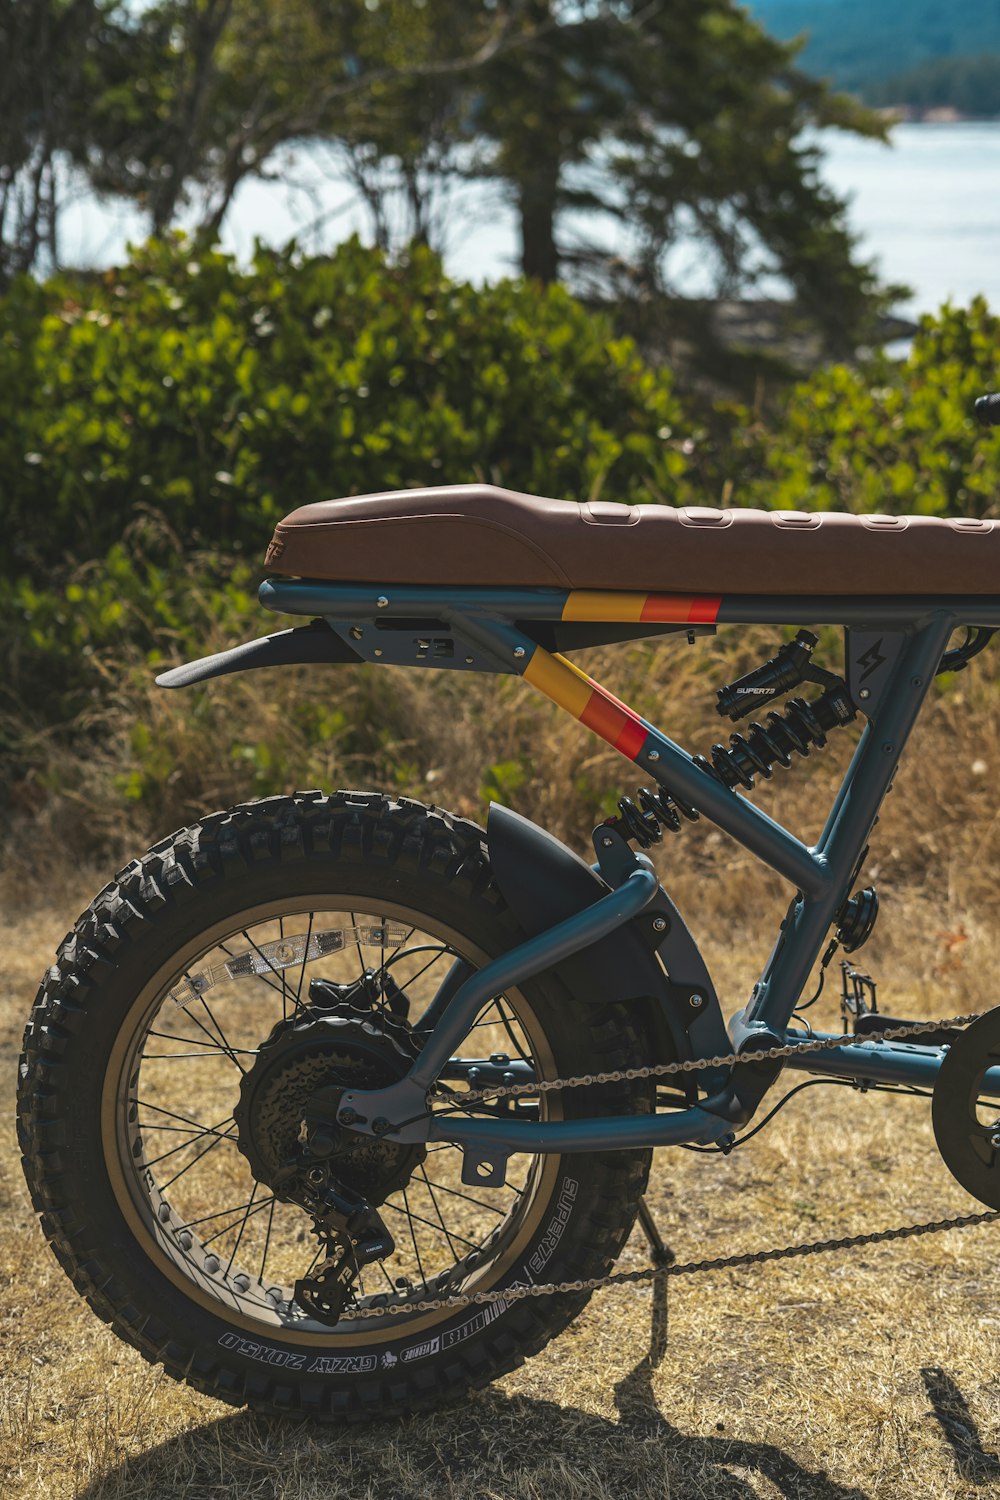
(335, 1051)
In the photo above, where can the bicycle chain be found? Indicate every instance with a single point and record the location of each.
(701, 1064)
(694, 1267)
(687, 1268)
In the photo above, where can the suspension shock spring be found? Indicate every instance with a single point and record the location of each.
(803, 726)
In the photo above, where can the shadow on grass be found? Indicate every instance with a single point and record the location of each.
(706, 1465)
(972, 1462)
(493, 1446)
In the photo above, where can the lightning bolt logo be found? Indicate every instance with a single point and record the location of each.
(871, 660)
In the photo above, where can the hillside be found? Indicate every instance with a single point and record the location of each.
(859, 43)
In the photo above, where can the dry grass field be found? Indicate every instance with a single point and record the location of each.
(852, 1376)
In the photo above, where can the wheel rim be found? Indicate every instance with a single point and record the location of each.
(186, 1190)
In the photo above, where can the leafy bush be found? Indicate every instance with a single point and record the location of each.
(887, 436)
(225, 397)
(156, 421)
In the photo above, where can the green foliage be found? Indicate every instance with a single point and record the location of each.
(70, 634)
(890, 437)
(155, 422)
(224, 398)
(674, 120)
(52, 69)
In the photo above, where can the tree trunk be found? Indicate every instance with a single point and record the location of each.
(537, 193)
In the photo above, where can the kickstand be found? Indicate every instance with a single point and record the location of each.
(661, 1255)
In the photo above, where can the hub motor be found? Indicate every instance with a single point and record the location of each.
(322, 1051)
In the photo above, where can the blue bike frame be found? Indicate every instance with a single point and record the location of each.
(898, 645)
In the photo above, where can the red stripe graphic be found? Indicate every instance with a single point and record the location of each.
(616, 725)
(681, 609)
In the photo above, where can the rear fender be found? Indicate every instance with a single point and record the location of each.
(659, 973)
(314, 644)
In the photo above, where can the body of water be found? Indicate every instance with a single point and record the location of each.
(927, 208)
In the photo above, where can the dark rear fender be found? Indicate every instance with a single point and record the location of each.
(314, 644)
(656, 974)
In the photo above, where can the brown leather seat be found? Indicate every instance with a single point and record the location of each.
(481, 535)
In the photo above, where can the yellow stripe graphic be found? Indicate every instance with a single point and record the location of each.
(559, 680)
(600, 604)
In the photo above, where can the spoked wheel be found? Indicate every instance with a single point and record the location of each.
(288, 946)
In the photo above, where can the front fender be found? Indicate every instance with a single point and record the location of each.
(313, 644)
(659, 972)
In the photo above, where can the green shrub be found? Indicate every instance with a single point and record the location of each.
(157, 420)
(224, 398)
(886, 437)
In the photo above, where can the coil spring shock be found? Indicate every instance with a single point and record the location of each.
(802, 727)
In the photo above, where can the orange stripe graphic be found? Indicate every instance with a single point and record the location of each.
(660, 609)
(587, 701)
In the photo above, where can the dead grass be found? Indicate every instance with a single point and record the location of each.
(848, 1377)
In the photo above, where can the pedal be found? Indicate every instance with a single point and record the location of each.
(864, 1019)
(857, 989)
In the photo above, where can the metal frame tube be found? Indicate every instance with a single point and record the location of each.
(698, 1125)
(498, 621)
(350, 601)
(880, 1062)
(528, 959)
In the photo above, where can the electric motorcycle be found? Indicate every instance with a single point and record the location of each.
(341, 1105)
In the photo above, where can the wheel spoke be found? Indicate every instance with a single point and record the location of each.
(192, 1041)
(267, 1240)
(505, 1021)
(413, 1232)
(305, 960)
(439, 1216)
(491, 1207)
(357, 944)
(221, 1034)
(171, 1114)
(185, 1144)
(220, 1213)
(421, 972)
(249, 1211)
(419, 1219)
(215, 1040)
(191, 1056)
(243, 1226)
(200, 1157)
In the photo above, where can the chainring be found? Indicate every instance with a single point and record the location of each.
(966, 1131)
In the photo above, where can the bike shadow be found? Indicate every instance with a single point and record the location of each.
(495, 1444)
(951, 1409)
(506, 1445)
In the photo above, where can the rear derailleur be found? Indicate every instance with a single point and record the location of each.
(351, 1232)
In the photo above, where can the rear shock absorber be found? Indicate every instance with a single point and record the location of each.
(802, 727)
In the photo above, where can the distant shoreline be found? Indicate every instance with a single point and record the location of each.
(941, 114)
